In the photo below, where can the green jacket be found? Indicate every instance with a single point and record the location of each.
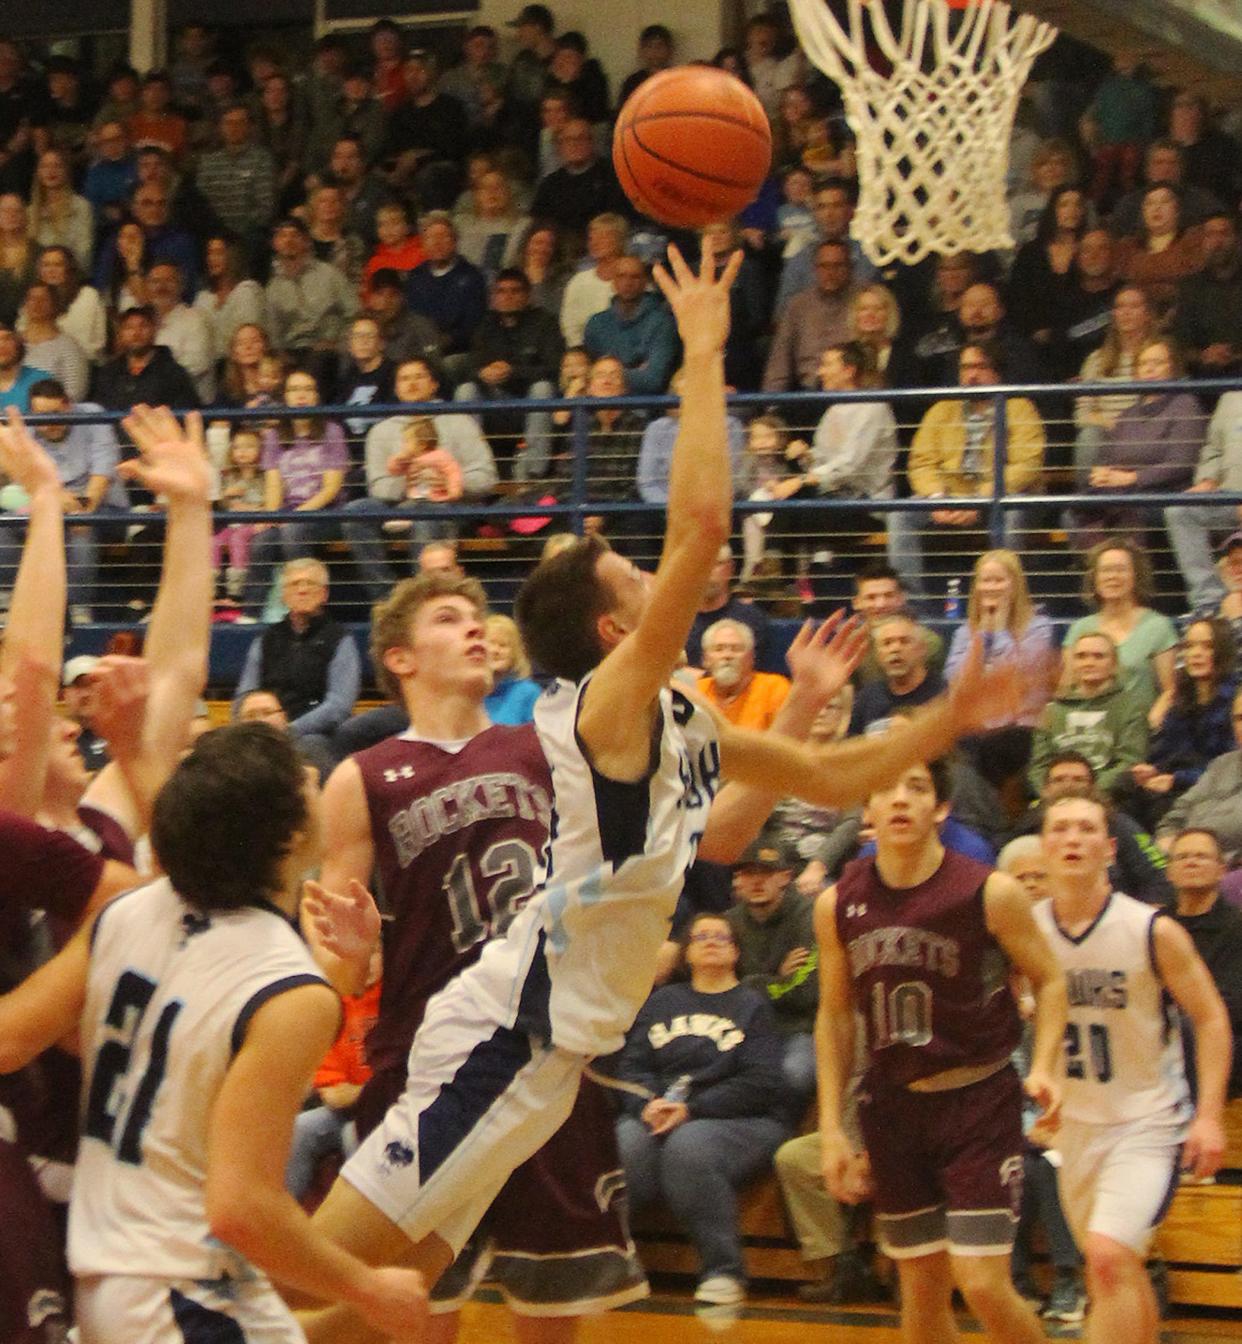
(762, 948)
(1109, 729)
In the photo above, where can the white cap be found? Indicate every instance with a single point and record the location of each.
(78, 667)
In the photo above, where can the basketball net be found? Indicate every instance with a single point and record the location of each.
(932, 136)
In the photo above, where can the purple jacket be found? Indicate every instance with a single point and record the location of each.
(1159, 439)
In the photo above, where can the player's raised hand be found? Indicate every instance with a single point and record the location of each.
(699, 302)
(984, 693)
(23, 458)
(173, 461)
(394, 1302)
(821, 660)
(1204, 1148)
(121, 688)
(345, 925)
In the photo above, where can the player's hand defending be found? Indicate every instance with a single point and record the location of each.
(173, 461)
(1045, 1092)
(699, 302)
(1204, 1149)
(24, 460)
(394, 1302)
(822, 660)
(345, 926)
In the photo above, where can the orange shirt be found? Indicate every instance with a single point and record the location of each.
(346, 1061)
(757, 705)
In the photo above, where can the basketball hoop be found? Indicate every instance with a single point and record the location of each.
(933, 135)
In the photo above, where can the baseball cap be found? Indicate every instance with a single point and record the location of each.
(539, 15)
(1232, 540)
(81, 666)
(769, 849)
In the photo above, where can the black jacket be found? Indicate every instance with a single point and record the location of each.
(532, 345)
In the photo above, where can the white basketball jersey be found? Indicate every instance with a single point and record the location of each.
(1123, 1045)
(169, 995)
(615, 864)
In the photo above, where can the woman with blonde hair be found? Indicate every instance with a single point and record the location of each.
(17, 256)
(1132, 325)
(513, 696)
(874, 321)
(1000, 613)
(59, 217)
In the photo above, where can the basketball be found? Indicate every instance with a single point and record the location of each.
(692, 146)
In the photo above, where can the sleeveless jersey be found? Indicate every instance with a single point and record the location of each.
(459, 839)
(1123, 1045)
(169, 994)
(930, 983)
(579, 960)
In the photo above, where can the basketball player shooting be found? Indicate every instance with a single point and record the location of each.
(496, 1065)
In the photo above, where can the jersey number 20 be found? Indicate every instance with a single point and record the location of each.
(105, 1103)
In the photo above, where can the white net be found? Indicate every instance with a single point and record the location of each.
(933, 133)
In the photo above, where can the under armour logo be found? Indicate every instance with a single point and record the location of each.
(401, 772)
(855, 911)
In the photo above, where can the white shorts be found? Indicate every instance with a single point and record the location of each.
(1118, 1180)
(480, 1099)
(130, 1309)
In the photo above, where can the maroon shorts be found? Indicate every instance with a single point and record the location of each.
(556, 1239)
(947, 1166)
(34, 1283)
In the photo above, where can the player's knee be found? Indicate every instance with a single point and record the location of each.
(1109, 1264)
(984, 1283)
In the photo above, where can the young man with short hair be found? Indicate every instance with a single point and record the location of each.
(1129, 1128)
(920, 943)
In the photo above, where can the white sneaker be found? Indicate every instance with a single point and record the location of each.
(720, 1290)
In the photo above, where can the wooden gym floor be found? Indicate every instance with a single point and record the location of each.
(668, 1317)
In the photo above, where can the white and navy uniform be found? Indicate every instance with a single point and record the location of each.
(170, 993)
(1127, 1104)
(497, 1061)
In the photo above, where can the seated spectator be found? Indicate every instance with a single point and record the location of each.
(1191, 529)
(242, 381)
(304, 465)
(1120, 120)
(388, 48)
(112, 177)
(811, 322)
(86, 458)
(760, 475)
(309, 303)
(1043, 266)
(427, 136)
(59, 217)
(542, 257)
(242, 490)
(121, 89)
(1153, 445)
(999, 611)
(655, 453)
(398, 249)
(16, 376)
(364, 190)
(491, 235)
(79, 311)
(749, 306)
(446, 289)
(182, 329)
(1196, 867)
(1212, 801)
(150, 207)
(1211, 160)
(714, 1119)
(583, 187)
(513, 694)
(238, 180)
(124, 284)
(775, 938)
(355, 111)
(655, 53)
(832, 210)
(953, 454)
(478, 67)
(982, 318)
(330, 239)
(730, 683)
(1163, 250)
(590, 291)
(1163, 166)
(874, 322)
(308, 660)
(1083, 305)
(1095, 714)
(515, 352)
(556, 110)
(142, 372)
(431, 475)
(1207, 313)
(47, 347)
(405, 335)
(937, 331)
(66, 115)
(365, 376)
(1190, 726)
(614, 436)
(416, 383)
(155, 122)
(1138, 866)
(1131, 325)
(720, 603)
(18, 252)
(1118, 583)
(637, 329)
(581, 76)
(878, 592)
(770, 74)
(187, 206)
(281, 127)
(1052, 166)
(78, 694)
(906, 679)
(229, 299)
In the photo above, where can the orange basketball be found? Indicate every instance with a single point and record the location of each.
(692, 146)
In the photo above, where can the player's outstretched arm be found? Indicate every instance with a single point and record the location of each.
(173, 463)
(248, 1206)
(616, 714)
(1190, 982)
(1007, 910)
(46, 1007)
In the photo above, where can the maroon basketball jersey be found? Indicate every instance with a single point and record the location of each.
(459, 839)
(929, 981)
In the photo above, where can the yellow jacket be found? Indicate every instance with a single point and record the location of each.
(940, 441)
